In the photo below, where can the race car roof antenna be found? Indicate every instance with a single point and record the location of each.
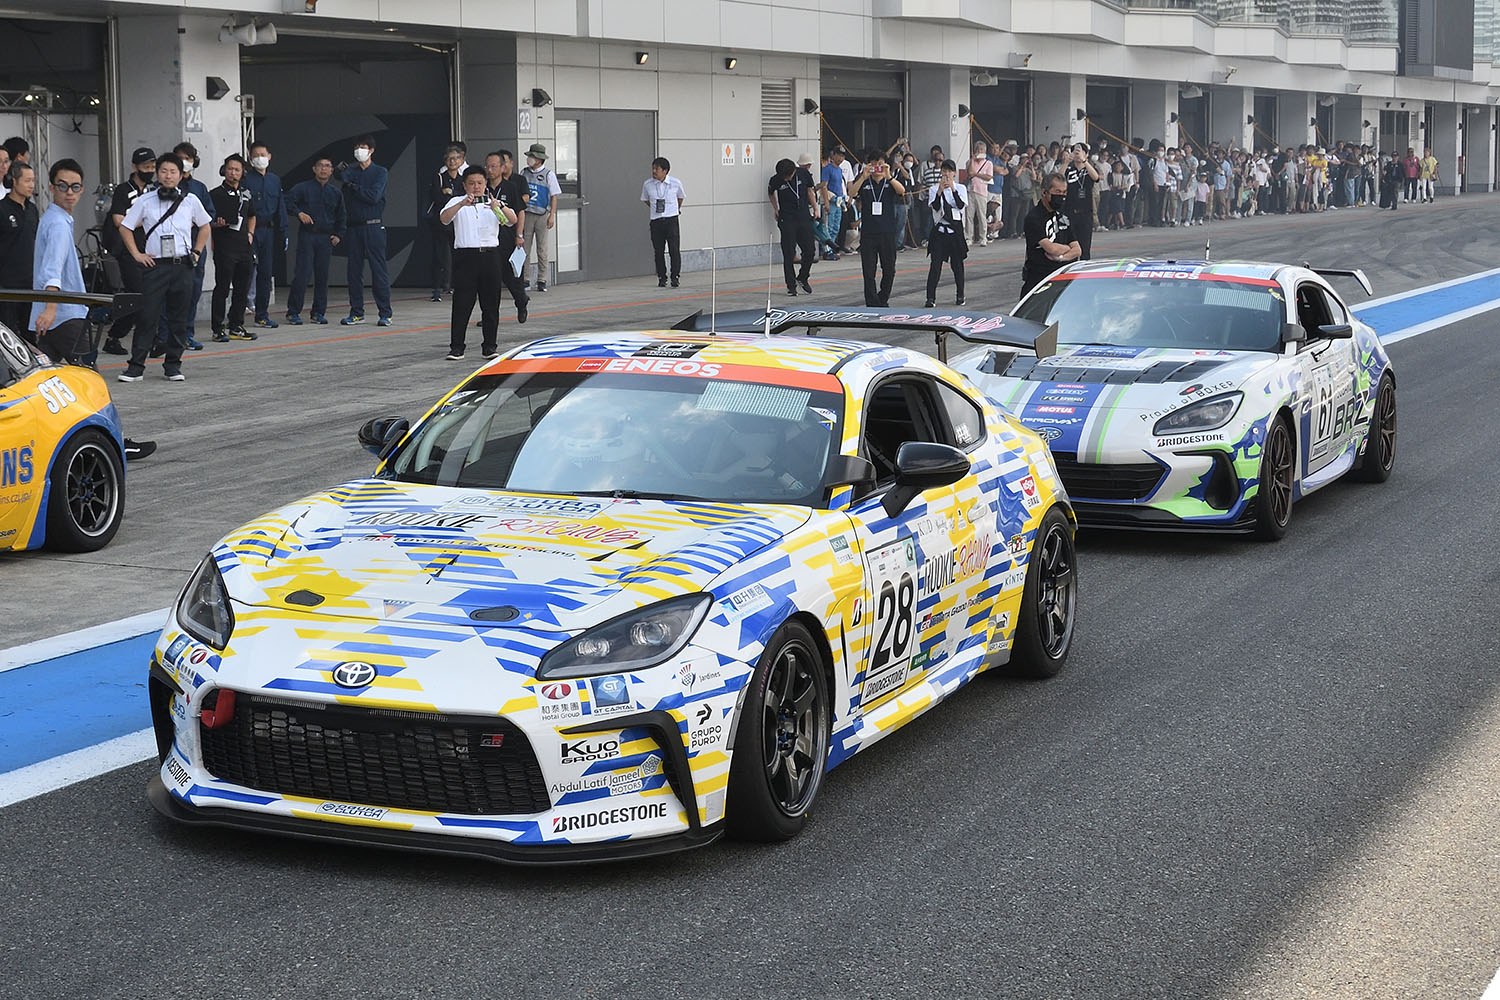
(769, 245)
(1208, 246)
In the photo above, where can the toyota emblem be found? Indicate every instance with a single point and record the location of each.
(354, 674)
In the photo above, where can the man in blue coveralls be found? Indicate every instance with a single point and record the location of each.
(270, 227)
(364, 197)
(320, 208)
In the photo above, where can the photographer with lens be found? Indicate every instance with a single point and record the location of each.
(477, 218)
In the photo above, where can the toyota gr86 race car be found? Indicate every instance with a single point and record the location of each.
(62, 450)
(614, 595)
(1186, 394)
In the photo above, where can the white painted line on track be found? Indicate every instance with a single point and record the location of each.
(80, 765)
(1424, 289)
(1492, 992)
(87, 638)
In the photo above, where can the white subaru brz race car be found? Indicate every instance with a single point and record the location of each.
(615, 595)
(1197, 395)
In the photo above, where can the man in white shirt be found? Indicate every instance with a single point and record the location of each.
(664, 196)
(168, 260)
(476, 217)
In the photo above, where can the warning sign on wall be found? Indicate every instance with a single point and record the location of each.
(726, 155)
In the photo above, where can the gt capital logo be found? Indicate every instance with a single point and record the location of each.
(354, 674)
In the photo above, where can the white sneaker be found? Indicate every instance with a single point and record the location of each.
(175, 377)
(127, 377)
(455, 357)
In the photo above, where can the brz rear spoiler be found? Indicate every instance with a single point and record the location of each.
(1335, 272)
(102, 308)
(975, 327)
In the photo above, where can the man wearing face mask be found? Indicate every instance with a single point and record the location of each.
(141, 180)
(364, 199)
(319, 206)
(504, 186)
(176, 231)
(1050, 242)
(270, 227)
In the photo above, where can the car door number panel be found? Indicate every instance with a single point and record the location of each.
(893, 586)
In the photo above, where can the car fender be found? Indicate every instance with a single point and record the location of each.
(107, 420)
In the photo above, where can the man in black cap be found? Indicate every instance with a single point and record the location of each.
(141, 180)
(234, 250)
(1050, 242)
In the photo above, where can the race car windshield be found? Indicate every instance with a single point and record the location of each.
(1192, 313)
(649, 436)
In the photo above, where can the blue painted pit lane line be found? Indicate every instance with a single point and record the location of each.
(1407, 314)
(73, 701)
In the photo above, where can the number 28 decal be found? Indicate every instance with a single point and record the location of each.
(894, 583)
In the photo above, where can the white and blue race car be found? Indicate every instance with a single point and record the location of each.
(1198, 395)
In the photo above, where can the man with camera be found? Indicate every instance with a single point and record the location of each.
(477, 218)
(877, 192)
(170, 219)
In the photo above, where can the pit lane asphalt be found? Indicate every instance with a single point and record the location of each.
(1267, 770)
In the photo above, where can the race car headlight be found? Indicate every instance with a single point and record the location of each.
(633, 641)
(204, 610)
(1208, 415)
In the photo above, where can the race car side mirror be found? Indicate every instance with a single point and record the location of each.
(1337, 331)
(1292, 333)
(380, 436)
(923, 465)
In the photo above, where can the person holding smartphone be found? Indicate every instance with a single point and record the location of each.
(476, 218)
(948, 200)
(877, 192)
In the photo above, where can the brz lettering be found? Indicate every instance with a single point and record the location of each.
(609, 817)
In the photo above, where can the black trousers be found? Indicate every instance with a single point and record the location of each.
(878, 247)
(513, 282)
(442, 258)
(476, 274)
(130, 281)
(665, 236)
(950, 247)
(168, 294)
(1083, 232)
(797, 233)
(231, 271)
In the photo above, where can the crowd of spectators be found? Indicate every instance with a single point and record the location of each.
(1142, 183)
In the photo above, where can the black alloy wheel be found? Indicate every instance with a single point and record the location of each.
(781, 746)
(1379, 456)
(1049, 602)
(1273, 505)
(87, 500)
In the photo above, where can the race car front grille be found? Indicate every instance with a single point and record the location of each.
(1094, 481)
(400, 760)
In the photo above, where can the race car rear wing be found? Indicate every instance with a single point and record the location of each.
(975, 327)
(1334, 272)
(102, 307)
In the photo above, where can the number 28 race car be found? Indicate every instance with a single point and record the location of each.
(615, 595)
(1186, 394)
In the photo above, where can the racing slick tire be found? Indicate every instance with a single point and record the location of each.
(87, 495)
(1379, 454)
(1278, 462)
(781, 745)
(1049, 601)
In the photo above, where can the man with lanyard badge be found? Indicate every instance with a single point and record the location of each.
(541, 211)
(234, 253)
(791, 192)
(188, 154)
(270, 227)
(1050, 242)
(1081, 177)
(169, 257)
(320, 209)
(663, 195)
(877, 191)
(364, 200)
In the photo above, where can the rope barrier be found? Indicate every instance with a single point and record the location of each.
(1183, 130)
(836, 137)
